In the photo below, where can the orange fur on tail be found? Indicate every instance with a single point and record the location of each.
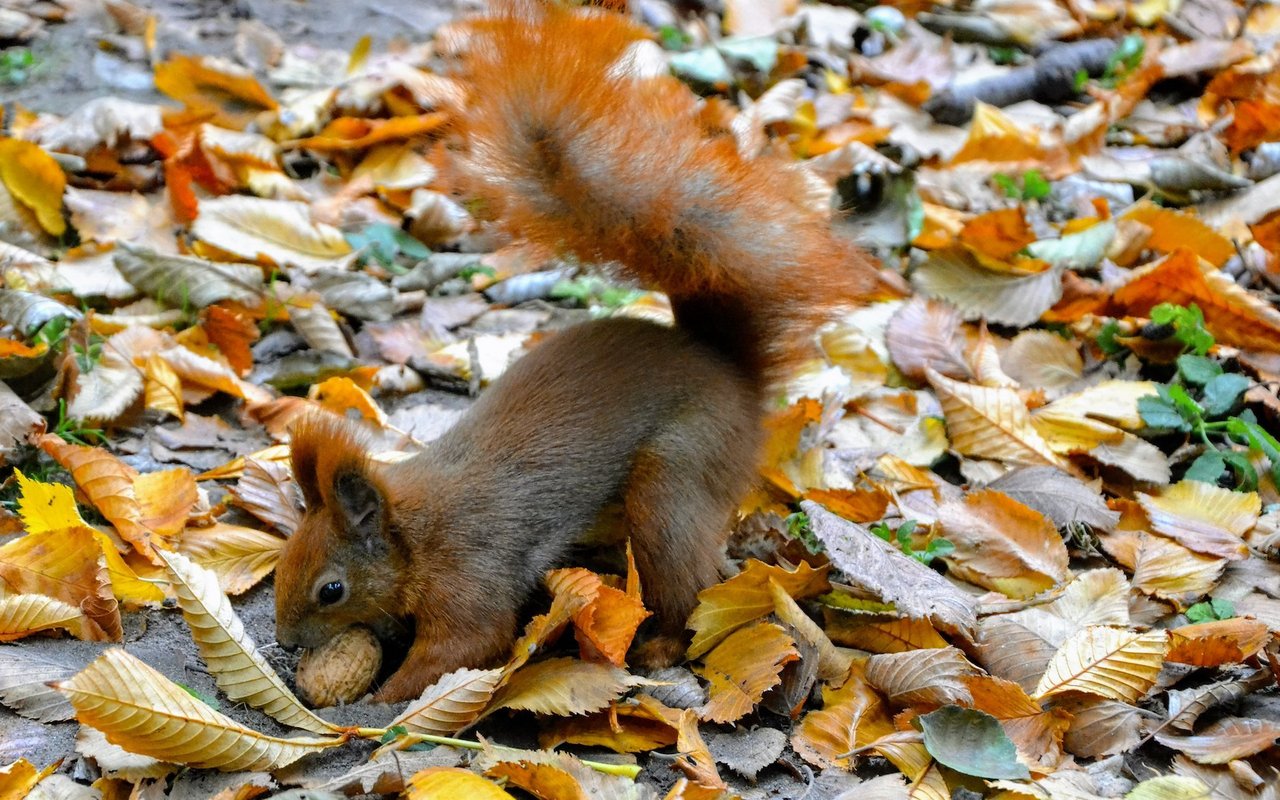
(577, 154)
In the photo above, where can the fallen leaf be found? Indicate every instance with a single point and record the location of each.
(1002, 544)
(971, 742)
(564, 686)
(24, 614)
(68, 566)
(987, 422)
(240, 557)
(1225, 740)
(746, 597)
(452, 783)
(1107, 662)
(452, 703)
(270, 231)
(1213, 644)
(36, 180)
(741, 668)
(852, 716)
(922, 677)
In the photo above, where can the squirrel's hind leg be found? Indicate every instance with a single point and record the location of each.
(678, 502)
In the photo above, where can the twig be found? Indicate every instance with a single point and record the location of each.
(622, 770)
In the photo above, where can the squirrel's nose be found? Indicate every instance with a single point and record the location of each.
(286, 642)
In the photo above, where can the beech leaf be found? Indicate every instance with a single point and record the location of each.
(971, 742)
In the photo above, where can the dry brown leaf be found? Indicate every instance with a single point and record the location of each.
(742, 667)
(606, 619)
(1009, 299)
(564, 686)
(267, 490)
(163, 388)
(452, 783)
(852, 716)
(883, 569)
(452, 703)
(1225, 740)
(24, 677)
(184, 280)
(922, 677)
(1042, 360)
(1106, 662)
(987, 422)
(1003, 545)
(623, 728)
(1213, 644)
(1036, 732)
(1165, 569)
(1205, 518)
(745, 598)
(1187, 705)
(144, 712)
(881, 636)
(833, 665)
(1101, 727)
(926, 333)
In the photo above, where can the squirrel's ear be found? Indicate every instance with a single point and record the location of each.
(361, 503)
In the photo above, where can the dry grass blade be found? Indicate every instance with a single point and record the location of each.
(144, 712)
(453, 703)
(228, 652)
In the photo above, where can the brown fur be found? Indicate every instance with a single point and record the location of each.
(663, 422)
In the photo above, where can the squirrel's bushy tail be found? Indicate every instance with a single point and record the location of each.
(576, 153)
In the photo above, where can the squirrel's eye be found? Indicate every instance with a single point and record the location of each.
(330, 593)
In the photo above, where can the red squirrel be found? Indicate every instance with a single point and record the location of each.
(573, 152)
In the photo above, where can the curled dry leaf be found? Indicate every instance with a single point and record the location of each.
(1042, 360)
(742, 667)
(1003, 545)
(1101, 727)
(747, 597)
(67, 566)
(605, 619)
(922, 677)
(874, 564)
(267, 490)
(1187, 705)
(145, 713)
(453, 703)
(1165, 569)
(1225, 740)
(229, 652)
(117, 762)
(1106, 662)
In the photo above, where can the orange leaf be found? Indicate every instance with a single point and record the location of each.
(1253, 122)
(624, 728)
(856, 505)
(995, 137)
(166, 498)
(232, 332)
(227, 94)
(998, 234)
(36, 180)
(1212, 644)
(851, 717)
(746, 597)
(1002, 544)
(341, 395)
(1173, 230)
(1037, 733)
(1231, 313)
(742, 668)
(357, 133)
(108, 483)
(607, 619)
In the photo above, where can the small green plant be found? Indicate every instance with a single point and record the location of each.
(1184, 323)
(937, 548)
(1031, 186)
(1211, 610)
(672, 38)
(209, 700)
(88, 354)
(472, 270)
(1124, 60)
(593, 291)
(75, 431)
(1199, 402)
(1080, 80)
(53, 332)
(384, 243)
(16, 64)
(800, 529)
(1004, 54)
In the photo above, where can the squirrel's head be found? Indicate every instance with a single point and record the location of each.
(339, 567)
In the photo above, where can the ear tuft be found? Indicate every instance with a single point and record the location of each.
(360, 502)
(322, 445)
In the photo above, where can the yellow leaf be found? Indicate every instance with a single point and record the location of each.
(47, 506)
(931, 785)
(341, 395)
(163, 388)
(240, 557)
(742, 668)
(1172, 229)
(270, 232)
(454, 702)
(988, 422)
(452, 783)
(1204, 518)
(24, 614)
(146, 713)
(66, 565)
(213, 87)
(851, 717)
(1171, 787)
(746, 597)
(36, 180)
(564, 686)
(20, 777)
(993, 136)
(229, 652)
(1107, 662)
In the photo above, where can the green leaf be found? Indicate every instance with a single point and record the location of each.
(1187, 407)
(1107, 338)
(1223, 392)
(1207, 468)
(1213, 610)
(1034, 185)
(1007, 185)
(1198, 369)
(1156, 412)
(972, 742)
(1246, 475)
(1081, 80)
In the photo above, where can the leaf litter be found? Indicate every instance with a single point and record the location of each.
(1016, 525)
